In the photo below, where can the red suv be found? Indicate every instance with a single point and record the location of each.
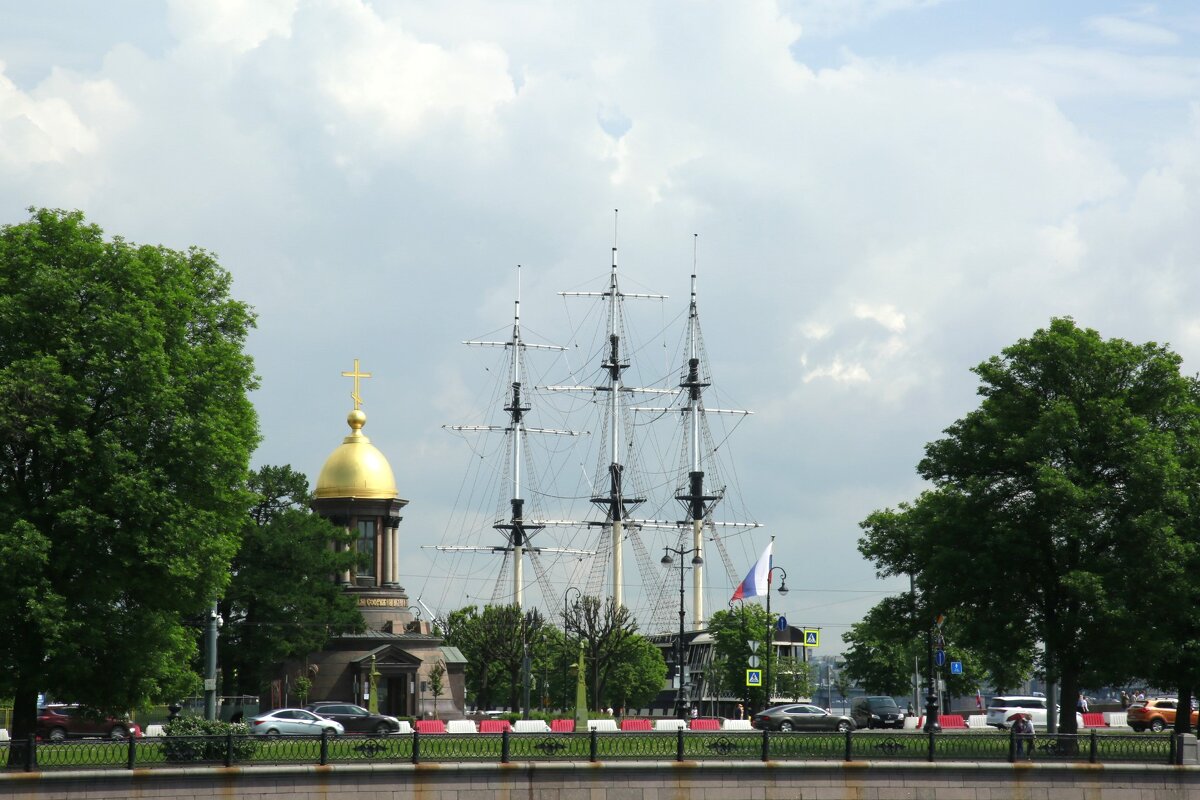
(57, 723)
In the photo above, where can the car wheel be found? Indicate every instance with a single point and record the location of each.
(843, 727)
(58, 734)
(1157, 725)
(118, 733)
(383, 730)
(786, 725)
(273, 734)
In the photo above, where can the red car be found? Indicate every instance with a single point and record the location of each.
(58, 723)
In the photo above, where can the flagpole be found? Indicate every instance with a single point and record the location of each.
(770, 634)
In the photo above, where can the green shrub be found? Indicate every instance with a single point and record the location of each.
(191, 738)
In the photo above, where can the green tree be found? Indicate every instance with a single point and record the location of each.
(793, 678)
(638, 676)
(1070, 473)
(281, 603)
(125, 435)
(437, 683)
(732, 631)
(494, 641)
(892, 637)
(607, 631)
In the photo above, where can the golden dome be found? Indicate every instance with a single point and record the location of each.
(356, 468)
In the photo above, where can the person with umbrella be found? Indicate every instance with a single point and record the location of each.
(1022, 731)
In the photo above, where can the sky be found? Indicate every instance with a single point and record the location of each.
(885, 193)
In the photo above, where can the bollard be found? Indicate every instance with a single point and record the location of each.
(849, 746)
(1092, 747)
(416, 747)
(766, 745)
(324, 746)
(592, 745)
(932, 745)
(504, 746)
(679, 744)
(229, 749)
(1012, 745)
(131, 756)
(31, 753)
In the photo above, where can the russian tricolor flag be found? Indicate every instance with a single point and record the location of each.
(758, 580)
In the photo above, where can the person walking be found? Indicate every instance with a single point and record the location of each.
(1022, 731)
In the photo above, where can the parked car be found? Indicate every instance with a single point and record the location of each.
(293, 722)
(800, 717)
(1155, 715)
(59, 722)
(876, 712)
(355, 719)
(1001, 711)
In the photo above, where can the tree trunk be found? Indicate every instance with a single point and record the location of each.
(24, 722)
(1183, 713)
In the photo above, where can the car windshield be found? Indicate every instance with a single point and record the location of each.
(883, 702)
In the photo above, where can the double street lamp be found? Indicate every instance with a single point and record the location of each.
(783, 590)
(667, 561)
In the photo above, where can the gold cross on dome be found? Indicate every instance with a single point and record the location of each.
(356, 375)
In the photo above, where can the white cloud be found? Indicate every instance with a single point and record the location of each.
(885, 314)
(839, 371)
(240, 25)
(1127, 31)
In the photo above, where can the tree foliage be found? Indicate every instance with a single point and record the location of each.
(732, 631)
(125, 434)
(281, 603)
(638, 676)
(1073, 471)
(607, 631)
(893, 636)
(495, 641)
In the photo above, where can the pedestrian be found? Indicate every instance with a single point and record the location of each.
(910, 711)
(741, 709)
(1081, 705)
(695, 712)
(1124, 699)
(1022, 732)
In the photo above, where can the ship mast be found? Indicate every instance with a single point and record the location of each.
(615, 502)
(517, 529)
(698, 505)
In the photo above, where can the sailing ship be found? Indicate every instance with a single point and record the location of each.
(573, 527)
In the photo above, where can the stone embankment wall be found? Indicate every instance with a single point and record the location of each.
(644, 781)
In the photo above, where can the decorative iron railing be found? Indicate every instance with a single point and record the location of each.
(33, 755)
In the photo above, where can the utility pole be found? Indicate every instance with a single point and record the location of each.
(210, 663)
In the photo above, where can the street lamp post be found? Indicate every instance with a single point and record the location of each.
(783, 590)
(667, 561)
(566, 639)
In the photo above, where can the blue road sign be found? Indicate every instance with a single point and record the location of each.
(781, 624)
(956, 668)
(754, 677)
(939, 658)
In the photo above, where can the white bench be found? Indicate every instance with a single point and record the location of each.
(669, 724)
(603, 725)
(531, 726)
(736, 725)
(461, 726)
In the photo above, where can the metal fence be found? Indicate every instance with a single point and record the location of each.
(33, 755)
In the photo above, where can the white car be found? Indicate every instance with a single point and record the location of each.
(293, 722)
(1001, 711)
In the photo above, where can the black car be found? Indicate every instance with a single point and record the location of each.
(877, 712)
(355, 719)
(800, 717)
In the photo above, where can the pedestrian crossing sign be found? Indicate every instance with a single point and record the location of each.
(754, 677)
(812, 637)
